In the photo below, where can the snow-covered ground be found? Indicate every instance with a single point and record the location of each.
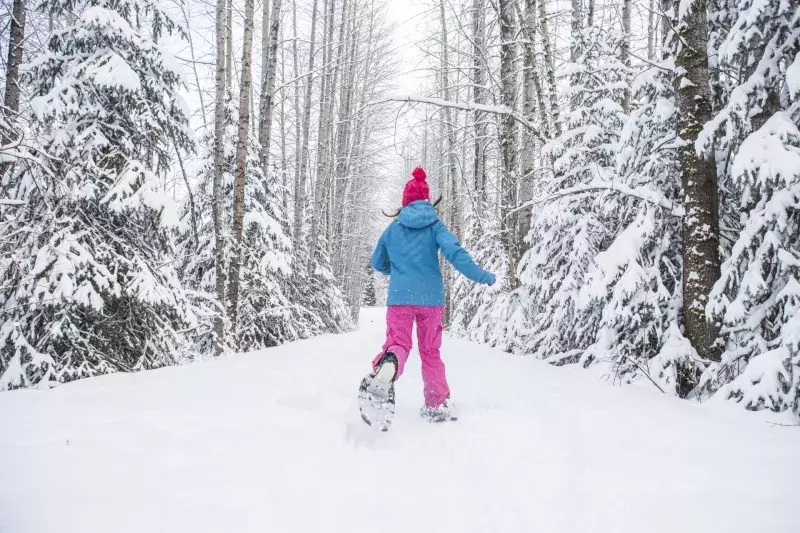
(271, 442)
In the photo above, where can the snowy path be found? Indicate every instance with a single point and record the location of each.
(271, 442)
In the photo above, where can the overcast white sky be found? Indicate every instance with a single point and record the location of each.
(406, 15)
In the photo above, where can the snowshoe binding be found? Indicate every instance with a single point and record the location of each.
(443, 413)
(376, 393)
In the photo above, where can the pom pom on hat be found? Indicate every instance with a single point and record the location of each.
(416, 188)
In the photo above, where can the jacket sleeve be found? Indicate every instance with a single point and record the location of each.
(380, 257)
(459, 257)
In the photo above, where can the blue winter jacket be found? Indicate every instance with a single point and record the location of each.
(408, 251)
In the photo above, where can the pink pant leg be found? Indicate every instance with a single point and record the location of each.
(429, 338)
(399, 321)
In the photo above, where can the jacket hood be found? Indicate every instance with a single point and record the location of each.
(417, 214)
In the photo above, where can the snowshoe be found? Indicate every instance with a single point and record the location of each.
(376, 394)
(443, 413)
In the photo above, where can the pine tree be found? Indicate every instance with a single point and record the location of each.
(368, 298)
(757, 296)
(570, 229)
(635, 282)
(482, 313)
(322, 294)
(92, 289)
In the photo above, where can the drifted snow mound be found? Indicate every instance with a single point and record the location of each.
(272, 442)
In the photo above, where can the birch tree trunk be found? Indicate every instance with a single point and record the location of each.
(479, 80)
(507, 134)
(532, 93)
(267, 91)
(229, 46)
(625, 50)
(532, 82)
(550, 67)
(576, 24)
(264, 43)
(300, 184)
(701, 266)
(186, 16)
(327, 92)
(298, 150)
(666, 5)
(342, 151)
(241, 164)
(284, 157)
(452, 156)
(651, 28)
(16, 40)
(216, 204)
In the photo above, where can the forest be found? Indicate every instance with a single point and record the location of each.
(188, 179)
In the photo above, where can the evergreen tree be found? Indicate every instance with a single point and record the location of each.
(479, 312)
(368, 298)
(90, 287)
(758, 294)
(635, 281)
(321, 293)
(571, 228)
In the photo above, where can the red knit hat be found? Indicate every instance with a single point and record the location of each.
(416, 188)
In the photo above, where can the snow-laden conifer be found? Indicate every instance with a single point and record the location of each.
(92, 286)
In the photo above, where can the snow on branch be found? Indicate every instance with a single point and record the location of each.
(466, 106)
(647, 195)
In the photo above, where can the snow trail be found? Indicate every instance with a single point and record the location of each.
(272, 442)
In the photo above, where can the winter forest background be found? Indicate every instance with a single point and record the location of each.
(184, 179)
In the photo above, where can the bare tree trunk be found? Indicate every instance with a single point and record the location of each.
(284, 157)
(576, 25)
(327, 92)
(267, 91)
(701, 266)
(479, 80)
(264, 42)
(532, 81)
(625, 50)
(651, 28)
(241, 165)
(508, 134)
(666, 5)
(343, 155)
(16, 40)
(590, 14)
(298, 208)
(452, 156)
(229, 67)
(190, 194)
(448, 180)
(550, 67)
(216, 204)
(532, 92)
(298, 150)
(194, 65)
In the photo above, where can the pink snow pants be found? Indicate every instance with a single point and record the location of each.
(399, 320)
